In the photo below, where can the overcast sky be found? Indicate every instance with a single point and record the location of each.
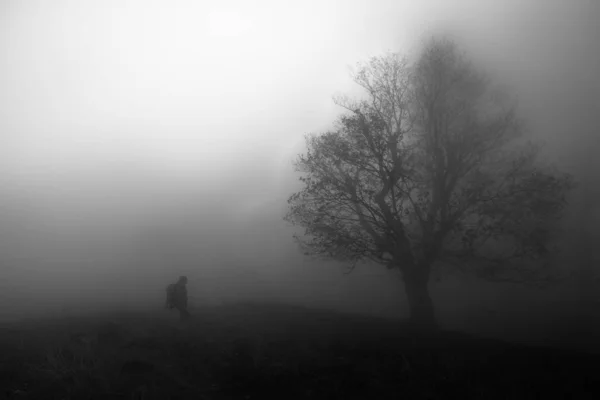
(115, 114)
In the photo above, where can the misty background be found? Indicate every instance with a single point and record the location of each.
(143, 140)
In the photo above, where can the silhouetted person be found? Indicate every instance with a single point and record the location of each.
(177, 298)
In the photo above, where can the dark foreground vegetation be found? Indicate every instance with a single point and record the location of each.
(261, 351)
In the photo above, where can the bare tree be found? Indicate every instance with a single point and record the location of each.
(431, 166)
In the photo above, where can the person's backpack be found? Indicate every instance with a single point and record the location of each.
(170, 303)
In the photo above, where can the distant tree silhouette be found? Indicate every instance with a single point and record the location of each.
(432, 166)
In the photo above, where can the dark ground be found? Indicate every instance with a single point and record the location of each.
(264, 351)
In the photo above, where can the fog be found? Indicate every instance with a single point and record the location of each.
(143, 140)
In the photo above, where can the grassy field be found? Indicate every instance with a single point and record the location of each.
(261, 351)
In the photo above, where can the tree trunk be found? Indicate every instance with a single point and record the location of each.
(422, 314)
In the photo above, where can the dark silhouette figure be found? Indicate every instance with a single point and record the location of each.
(177, 298)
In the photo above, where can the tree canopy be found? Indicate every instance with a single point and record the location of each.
(432, 165)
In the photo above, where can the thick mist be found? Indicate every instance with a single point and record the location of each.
(144, 140)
